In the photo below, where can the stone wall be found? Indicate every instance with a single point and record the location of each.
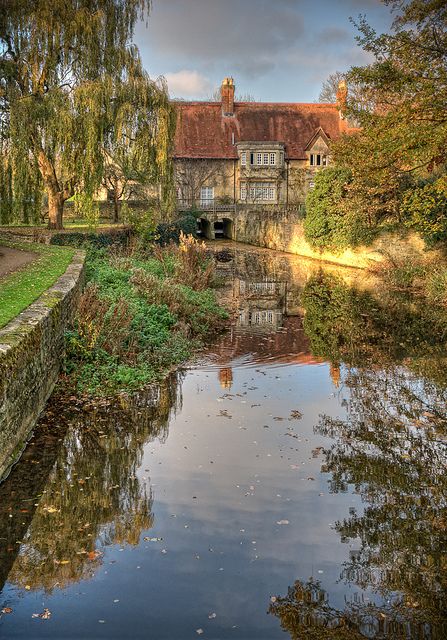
(284, 231)
(31, 350)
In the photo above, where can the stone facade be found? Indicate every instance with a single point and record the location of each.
(250, 152)
(31, 350)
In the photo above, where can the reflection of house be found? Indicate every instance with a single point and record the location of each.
(236, 152)
(262, 303)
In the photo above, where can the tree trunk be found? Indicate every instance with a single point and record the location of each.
(55, 209)
(116, 208)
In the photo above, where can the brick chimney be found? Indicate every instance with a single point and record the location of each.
(227, 96)
(342, 95)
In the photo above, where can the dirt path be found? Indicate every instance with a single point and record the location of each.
(13, 259)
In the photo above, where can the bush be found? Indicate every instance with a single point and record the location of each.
(167, 232)
(327, 226)
(82, 240)
(425, 210)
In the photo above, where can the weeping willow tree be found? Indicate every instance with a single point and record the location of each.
(72, 90)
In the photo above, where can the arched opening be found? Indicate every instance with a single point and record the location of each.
(228, 228)
(218, 229)
(205, 229)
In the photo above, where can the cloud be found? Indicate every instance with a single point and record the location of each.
(187, 84)
(248, 35)
(334, 35)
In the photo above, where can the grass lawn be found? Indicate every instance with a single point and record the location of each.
(19, 289)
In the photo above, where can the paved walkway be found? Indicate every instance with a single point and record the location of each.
(13, 259)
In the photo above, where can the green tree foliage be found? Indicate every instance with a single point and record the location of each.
(329, 224)
(403, 116)
(73, 90)
(425, 209)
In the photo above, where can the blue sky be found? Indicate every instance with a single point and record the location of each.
(276, 50)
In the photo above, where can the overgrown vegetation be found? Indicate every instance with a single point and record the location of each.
(19, 289)
(141, 314)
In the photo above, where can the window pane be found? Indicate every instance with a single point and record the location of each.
(265, 158)
(244, 158)
(318, 159)
(259, 158)
(273, 158)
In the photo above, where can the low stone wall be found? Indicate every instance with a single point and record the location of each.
(31, 350)
(285, 232)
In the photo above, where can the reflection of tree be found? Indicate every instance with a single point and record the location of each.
(305, 613)
(93, 496)
(391, 448)
(347, 325)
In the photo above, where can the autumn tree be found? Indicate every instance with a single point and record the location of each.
(72, 88)
(403, 117)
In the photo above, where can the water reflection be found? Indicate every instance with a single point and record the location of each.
(76, 490)
(392, 449)
(312, 442)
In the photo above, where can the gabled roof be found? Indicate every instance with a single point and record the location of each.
(203, 132)
(319, 133)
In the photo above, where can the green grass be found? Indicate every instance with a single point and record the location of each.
(19, 289)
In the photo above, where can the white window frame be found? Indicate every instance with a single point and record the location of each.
(206, 195)
(272, 159)
(259, 158)
(265, 158)
(243, 158)
(262, 192)
(243, 191)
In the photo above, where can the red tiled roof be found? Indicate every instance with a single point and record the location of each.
(202, 131)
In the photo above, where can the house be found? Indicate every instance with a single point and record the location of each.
(231, 152)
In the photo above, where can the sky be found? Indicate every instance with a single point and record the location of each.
(276, 50)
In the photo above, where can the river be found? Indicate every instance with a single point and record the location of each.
(292, 479)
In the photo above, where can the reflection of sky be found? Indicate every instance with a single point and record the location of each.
(212, 478)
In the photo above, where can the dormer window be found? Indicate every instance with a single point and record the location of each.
(315, 160)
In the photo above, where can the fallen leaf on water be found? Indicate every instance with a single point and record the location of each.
(45, 615)
(282, 522)
(212, 615)
(199, 631)
(6, 610)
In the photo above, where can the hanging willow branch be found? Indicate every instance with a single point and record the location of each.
(73, 92)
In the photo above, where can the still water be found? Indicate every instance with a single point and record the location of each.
(290, 483)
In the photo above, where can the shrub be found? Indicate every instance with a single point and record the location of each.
(167, 232)
(81, 240)
(327, 226)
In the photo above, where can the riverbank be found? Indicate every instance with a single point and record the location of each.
(145, 310)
